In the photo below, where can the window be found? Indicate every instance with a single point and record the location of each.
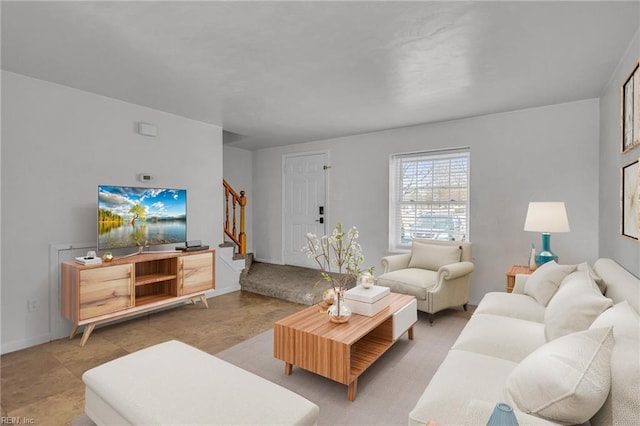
(428, 197)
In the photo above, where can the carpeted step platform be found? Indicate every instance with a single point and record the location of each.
(292, 283)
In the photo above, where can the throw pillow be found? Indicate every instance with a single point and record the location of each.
(433, 256)
(624, 320)
(621, 407)
(574, 307)
(566, 380)
(544, 281)
(584, 266)
(624, 399)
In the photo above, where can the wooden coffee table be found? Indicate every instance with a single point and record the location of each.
(342, 352)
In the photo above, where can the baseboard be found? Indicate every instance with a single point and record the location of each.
(272, 261)
(17, 345)
(226, 290)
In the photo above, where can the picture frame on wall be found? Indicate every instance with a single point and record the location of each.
(630, 198)
(631, 110)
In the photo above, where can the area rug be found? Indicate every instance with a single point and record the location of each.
(387, 391)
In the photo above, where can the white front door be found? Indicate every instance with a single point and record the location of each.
(304, 204)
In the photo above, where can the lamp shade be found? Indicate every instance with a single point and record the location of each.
(546, 217)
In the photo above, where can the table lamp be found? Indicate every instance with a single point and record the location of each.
(546, 217)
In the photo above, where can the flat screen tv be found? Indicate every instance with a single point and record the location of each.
(140, 217)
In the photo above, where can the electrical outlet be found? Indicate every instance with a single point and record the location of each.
(32, 305)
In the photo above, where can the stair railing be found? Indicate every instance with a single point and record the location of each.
(232, 201)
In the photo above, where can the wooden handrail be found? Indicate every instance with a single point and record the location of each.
(230, 228)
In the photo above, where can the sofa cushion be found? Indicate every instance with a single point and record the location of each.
(172, 383)
(575, 306)
(545, 280)
(511, 305)
(623, 404)
(433, 256)
(511, 339)
(621, 284)
(462, 377)
(567, 380)
(624, 320)
(413, 281)
(584, 266)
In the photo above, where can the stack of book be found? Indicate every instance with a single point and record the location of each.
(89, 260)
(367, 301)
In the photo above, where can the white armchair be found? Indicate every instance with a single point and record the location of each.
(435, 272)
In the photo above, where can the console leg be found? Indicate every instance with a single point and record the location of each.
(352, 389)
(288, 368)
(431, 318)
(464, 307)
(87, 332)
(73, 332)
(411, 333)
(203, 299)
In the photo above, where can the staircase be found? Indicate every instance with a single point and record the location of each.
(234, 204)
(232, 254)
(286, 282)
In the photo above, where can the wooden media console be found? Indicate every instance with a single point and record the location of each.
(96, 294)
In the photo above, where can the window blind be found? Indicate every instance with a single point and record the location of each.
(429, 197)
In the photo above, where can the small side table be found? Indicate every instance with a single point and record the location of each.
(511, 275)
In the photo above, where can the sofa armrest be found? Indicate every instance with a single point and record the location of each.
(518, 286)
(455, 270)
(395, 262)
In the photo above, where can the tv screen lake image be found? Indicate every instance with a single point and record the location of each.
(130, 217)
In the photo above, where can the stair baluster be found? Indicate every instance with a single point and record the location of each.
(240, 238)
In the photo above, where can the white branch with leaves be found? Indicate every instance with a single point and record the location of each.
(341, 251)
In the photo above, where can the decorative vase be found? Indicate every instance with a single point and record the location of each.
(366, 280)
(328, 296)
(532, 258)
(107, 257)
(339, 312)
(502, 416)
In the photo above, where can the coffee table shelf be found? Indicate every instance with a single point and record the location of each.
(365, 352)
(342, 352)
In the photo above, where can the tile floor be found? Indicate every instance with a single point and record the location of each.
(43, 384)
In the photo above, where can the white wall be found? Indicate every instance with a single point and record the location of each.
(238, 171)
(612, 244)
(58, 144)
(541, 154)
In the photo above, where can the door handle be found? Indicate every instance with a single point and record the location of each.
(321, 220)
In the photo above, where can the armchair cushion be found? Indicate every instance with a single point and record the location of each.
(432, 256)
(411, 281)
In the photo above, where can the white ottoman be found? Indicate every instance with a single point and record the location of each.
(176, 384)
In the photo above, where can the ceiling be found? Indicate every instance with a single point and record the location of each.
(278, 73)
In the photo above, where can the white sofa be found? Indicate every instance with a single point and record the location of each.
(556, 349)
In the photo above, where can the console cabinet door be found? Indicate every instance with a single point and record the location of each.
(196, 273)
(105, 290)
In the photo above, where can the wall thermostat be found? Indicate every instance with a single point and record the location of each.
(145, 177)
(147, 129)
